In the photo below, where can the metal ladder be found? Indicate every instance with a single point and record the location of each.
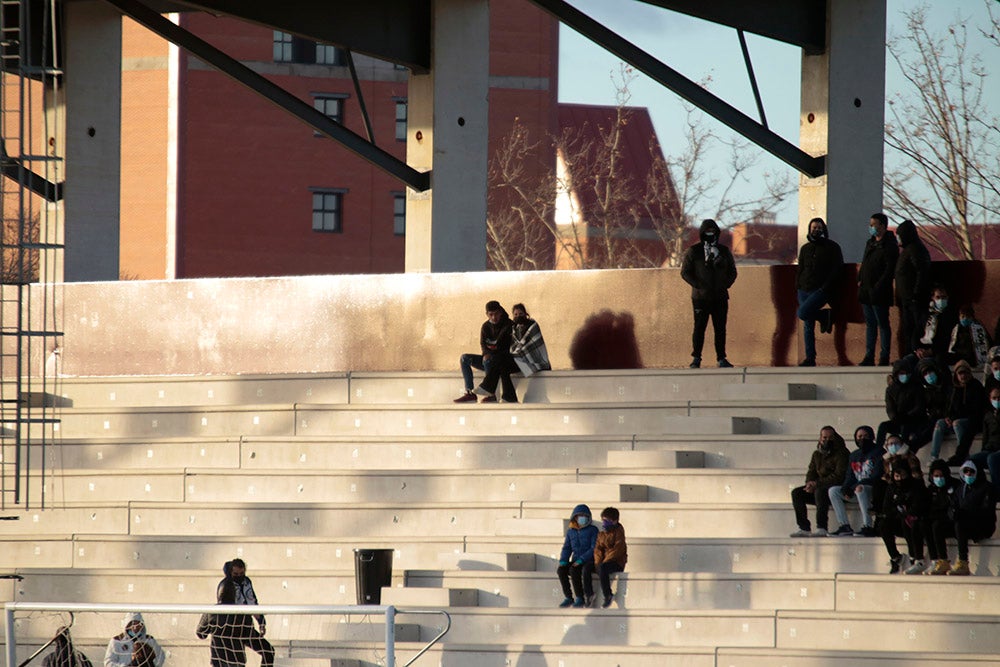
(30, 339)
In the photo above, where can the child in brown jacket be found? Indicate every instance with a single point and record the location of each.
(610, 553)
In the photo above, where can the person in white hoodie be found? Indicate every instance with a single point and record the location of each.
(121, 646)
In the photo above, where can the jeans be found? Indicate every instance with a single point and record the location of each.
(967, 528)
(810, 303)
(893, 525)
(820, 498)
(604, 572)
(936, 530)
(989, 461)
(912, 318)
(582, 577)
(719, 312)
(863, 498)
(470, 361)
(500, 368)
(941, 429)
(877, 316)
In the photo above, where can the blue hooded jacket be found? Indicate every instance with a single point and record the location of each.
(579, 542)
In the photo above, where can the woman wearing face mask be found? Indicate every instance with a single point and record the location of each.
(989, 457)
(121, 646)
(576, 561)
(905, 406)
(965, 414)
(969, 340)
(939, 522)
(993, 372)
(975, 514)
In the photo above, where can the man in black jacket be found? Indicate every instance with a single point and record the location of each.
(710, 270)
(913, 285)
(494, 343)
(820, 264)
(875, 288)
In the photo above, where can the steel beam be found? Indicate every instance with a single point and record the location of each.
(697, 95)
(15, 170)
(798, 22)
(305, 112)
(395, 30)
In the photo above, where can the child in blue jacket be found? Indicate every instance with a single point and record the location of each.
(576, 561)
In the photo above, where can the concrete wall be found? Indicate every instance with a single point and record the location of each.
(424, 322)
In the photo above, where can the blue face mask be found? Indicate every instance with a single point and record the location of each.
(969, 479)
(939, 482)
(931, 378)
(873, 231)
(940, 304)
(965, 321)
(996, 374)
(995, 404)
(607, 524)
(903, 378)
(893, 449)
(583, 521)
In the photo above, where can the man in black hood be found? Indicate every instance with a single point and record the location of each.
(710, 270)
(878, 266)
(913, 285)
(819, 267)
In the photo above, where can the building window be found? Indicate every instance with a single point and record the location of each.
(283, 47)
(401, 120)
(291, 49)
(328, 55)
(332, 105)
(327, 210)
(399, 213)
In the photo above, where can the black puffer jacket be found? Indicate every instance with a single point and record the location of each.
(904, 403)
(820, 264)
(877, 269)
(709, 277)
(913, 275)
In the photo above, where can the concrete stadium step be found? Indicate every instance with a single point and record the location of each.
(790, 391)
(977, 595)
(144, 454)
(483, 562)
(307, 587)
(176, 422)
(735, 657)
(65, 520)
(598, 626)
(263, 554)
(771, 451)
(832, 382)
(517, 420)
(663, 458)
(253, 520)
(17, 551)
(184, 390)
(599, 492)
(692, 486)
(945, 632)
(798, 417)
(642, 590)
(101, 486)
(430, 597)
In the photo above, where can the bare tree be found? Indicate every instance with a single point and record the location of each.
(20, 263)
(944, 146)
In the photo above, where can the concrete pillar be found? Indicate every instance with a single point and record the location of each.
(93, 140)
(843, 116)
(448, 131)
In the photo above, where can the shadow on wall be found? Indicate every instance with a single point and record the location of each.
(606, 340)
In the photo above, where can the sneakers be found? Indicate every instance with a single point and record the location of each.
(916, 567)
(467, 397)
(566, 603)
(489, 399)
(807, 363)
(843, 531)
(607, 602)
(867, 361)
(866, 531)
(589, 602)
(894, 564)
(695, 363)
(941, 566)
(961, 569)
(578, 602)
(821, 532)
(801, 533)
(724, 363)
(481, 392)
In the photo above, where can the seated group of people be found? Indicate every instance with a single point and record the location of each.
(887, 484)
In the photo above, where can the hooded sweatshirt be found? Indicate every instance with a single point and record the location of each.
(827, 467)
(709, 267)
(864, 466)
(913, 285)
(580, 541)
(967, 401)
(942, 503)
(119, 651)
(878, 266)
(820, 263)
(905, 403)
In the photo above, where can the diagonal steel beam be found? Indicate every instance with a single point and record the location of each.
(274, 93)
(15, 170)
(690, 91)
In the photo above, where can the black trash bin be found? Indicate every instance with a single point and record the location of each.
(372, 571)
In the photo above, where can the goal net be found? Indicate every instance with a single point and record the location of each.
(37, 634)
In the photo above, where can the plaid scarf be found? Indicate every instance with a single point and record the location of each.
(528, 349)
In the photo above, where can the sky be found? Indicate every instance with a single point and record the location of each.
(700, 49)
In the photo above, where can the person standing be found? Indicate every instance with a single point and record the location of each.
(819, 267)
(243, 593)
(913, 285)
(709, 268)
(875, 288)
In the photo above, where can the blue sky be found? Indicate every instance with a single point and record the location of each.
(699, 49)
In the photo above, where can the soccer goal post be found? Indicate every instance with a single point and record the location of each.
(190, 634)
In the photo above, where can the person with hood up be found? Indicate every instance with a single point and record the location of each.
(864, 471)
(939, 320)
(939, 521)
(992, 376)
(63, 654)
(913, 286)
(819, 267)
(827, 468)
(975, 514)
(906, 503)
(966, 407)
(121, 646)
(610, 552)
(989, 457)
(878, 266)
(905, 407)
(576, 560)
(231, 633)
(709, 268)
(494, 343)
(527, 345)
(243, 593)
(969, 340)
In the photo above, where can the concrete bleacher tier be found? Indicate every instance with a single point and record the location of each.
(156, 481)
